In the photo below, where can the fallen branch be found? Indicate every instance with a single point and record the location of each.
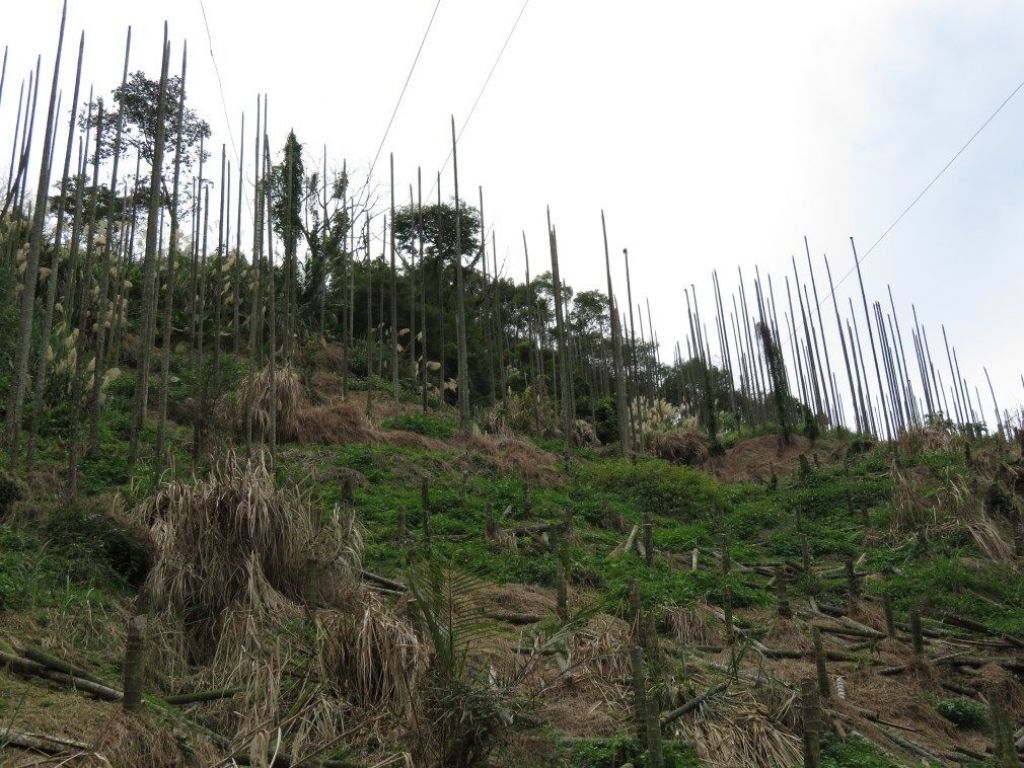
(692, 704)
(51, 745)
(201, 696)
(629, 544)
(848, 631)
(974, 626)
(54, 663)
(383, 581)
(910, 746)
(27, 667)
(963, 690)
(511, 617)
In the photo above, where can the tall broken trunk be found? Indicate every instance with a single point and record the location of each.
(149, 262)
(621, 406)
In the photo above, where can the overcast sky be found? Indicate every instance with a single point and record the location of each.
(714, 135)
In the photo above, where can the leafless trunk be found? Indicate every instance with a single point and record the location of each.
(172, 252)
(39, 384)
(19, 379)
(149, 262)
(394, 294)
(625, 444)
(236, 287)
(460, 296)
(102, 319)
(565, 381)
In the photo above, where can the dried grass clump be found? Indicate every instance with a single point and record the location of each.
(997, 684)
(331, 356)
(131, 740)
(951, 506)
(512, 454)
(372, 657)
(735, 730)
(232, 540)
(933, 437)
(584, 434)
(246, 575)
(338, 423)
(653, 416)
(253, 394)
(601, 650)
(526, 413)
(694, 625)
(681, 446)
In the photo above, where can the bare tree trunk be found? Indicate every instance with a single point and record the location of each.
(394, 294)
(821, 323)
(199, 414)
(565, 381)
(498, 318)
(460, 295)
(236, 287)
(101, 312)
(39, 384)
(172, 251)
(149, 262)
(488, 337)
(871, 337)
(271, 298)
(621, 406)
(19, 382)
(256, 281)
(531, 330)
(423, 284)
(81, 312)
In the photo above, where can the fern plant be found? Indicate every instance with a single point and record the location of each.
(466, 711)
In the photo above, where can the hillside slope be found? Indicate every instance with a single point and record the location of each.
(386, 591)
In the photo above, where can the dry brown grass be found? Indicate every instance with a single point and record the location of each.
(735, 728)
(233, 540)
(930, 438)
(997, 684)
(694, 625)
(918, 503)
(131, 740)
(584, 434)
(373, 656)
(757, 457)
(252, 400)
(338, 423)
(512, 454)
(681, 446)
(242, 567)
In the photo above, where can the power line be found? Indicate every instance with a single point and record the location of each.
(860, 259)
(401, 95)
(480, 94)
(223, 101)
(927, 187)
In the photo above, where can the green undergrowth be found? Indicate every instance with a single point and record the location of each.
(83, 552)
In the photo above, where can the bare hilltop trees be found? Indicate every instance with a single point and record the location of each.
(131, 268)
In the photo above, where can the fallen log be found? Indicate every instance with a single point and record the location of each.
(629, 544)
(848, 622)
(848, 631)
(975, 626)
(963, 690)
(51, 745)
(511, 617)
(201, 696)
(383, 581)
(692, 704)
(910, 746)
(57, 664)
(34, 668)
